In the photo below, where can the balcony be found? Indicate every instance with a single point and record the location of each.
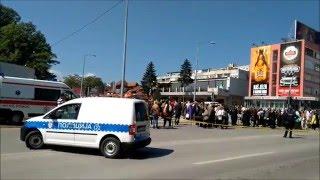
(188, 91)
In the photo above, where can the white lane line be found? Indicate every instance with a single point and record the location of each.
(233, 158)
(29, 154)
(209, 140)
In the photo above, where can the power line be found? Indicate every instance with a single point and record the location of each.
(86, 25)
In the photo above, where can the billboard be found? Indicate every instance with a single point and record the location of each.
(290, 69)
(302, 31)
(260, 70)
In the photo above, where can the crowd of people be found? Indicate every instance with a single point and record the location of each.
(173, 110)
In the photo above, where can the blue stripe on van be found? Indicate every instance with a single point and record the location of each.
(81, 126)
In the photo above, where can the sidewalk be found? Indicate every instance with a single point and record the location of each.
(186, 121)
(191, 122)
(9, 126)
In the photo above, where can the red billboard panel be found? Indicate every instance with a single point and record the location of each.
(290, 69)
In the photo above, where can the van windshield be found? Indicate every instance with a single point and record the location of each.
(141, 112)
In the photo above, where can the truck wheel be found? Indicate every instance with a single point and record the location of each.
(16, 117)
(110, 147)
(34, 140)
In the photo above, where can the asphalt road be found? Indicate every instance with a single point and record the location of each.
(187, 152)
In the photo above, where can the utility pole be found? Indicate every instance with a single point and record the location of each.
(289, 93)
(84, 63)
(124, 48)
(196, 73)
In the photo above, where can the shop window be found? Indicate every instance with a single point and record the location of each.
(274, 67)
(275, 55)
(258, 104)
(317, 55)
(317, 67)
(272, 104)
(309, 52)
(308, 77)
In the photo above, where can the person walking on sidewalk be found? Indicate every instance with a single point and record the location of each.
(234, 116)
(260, 114)
(289, 121)
(167, 114)
(177, 112)
(307, 118)
(155, 110)
(314, 120)
(272, 120)
(188, 110)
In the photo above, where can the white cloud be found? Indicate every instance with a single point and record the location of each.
(89, 74)
(57, 73)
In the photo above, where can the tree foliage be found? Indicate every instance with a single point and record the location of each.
(91, 82)
(185, 73)
(73, 81)
(149, 79)
(8, 16)
(21, 43)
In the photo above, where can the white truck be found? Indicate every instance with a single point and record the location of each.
(22, 98)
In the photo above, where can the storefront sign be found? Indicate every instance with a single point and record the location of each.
(290, 69)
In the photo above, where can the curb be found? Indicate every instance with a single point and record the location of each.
(9, 126)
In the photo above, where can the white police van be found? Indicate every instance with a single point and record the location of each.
(108, 124)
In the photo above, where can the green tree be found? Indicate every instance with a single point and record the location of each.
(91, 82)
(185, 73)
(149, 80)
(73, 81)
(8, 16)
(21, 43)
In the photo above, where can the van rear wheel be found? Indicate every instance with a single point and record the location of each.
(110, 147)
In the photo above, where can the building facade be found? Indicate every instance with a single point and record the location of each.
(226, 85)
(283, 74)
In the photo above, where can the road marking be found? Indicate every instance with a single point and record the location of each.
(210, 140)
(29, 154)
(232, 158)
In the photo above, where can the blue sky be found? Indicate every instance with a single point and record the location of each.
(165, 32)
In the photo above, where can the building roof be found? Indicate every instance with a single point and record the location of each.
(99, 99)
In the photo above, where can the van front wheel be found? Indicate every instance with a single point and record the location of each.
(110, 147)
(34, 140)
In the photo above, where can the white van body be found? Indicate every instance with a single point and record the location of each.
(22, 98)
(97, 118)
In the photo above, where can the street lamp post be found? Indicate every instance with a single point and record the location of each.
(289, 93)
(124, 48)
(196, 68)
(84, 63)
